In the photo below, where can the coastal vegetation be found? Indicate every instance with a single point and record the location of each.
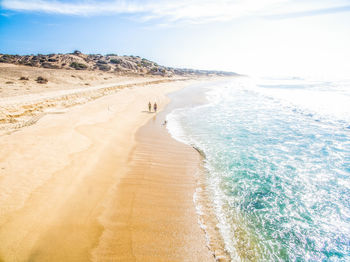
(41, 80)
(78, 66)
(107, 63)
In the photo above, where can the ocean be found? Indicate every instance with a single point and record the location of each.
(277, 161)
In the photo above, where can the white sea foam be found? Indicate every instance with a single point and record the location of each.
(278, 166)
(174, 126)
(324, 100)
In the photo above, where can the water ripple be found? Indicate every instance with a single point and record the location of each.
(279, 175)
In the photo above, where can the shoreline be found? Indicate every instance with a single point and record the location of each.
(59, 181)
(205, 211)
(155, 204)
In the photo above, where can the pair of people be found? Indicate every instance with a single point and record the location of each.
(155, 106)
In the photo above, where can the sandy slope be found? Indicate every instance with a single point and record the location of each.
(23, 102)
(58, 79)
(60, 180)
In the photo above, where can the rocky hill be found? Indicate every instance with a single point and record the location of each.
(105, 63)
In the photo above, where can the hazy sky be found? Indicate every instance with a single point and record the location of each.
(258, 37)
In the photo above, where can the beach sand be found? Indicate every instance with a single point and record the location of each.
(60, 79)
(24, 102)
(88, 184)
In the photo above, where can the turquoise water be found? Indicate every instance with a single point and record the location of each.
(278, 161)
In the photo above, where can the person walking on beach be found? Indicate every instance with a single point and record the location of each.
(149, 106)
(155, 107)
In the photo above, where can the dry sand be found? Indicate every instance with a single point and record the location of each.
(82, 185)
(24, 102)
(58, 79)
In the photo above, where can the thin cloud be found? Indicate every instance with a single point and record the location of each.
(5, 14)
(311, 13)
(181, 11)
(71, 8)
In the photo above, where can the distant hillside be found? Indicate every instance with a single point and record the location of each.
(107, 63)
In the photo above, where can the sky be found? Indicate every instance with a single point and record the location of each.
(254, 37)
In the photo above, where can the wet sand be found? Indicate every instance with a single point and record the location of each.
(90, 185)
(154, 218)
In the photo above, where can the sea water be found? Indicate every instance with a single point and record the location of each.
(277, 155)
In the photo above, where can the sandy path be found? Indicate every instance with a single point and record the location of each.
(61, 194)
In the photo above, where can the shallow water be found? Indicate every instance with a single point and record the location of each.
(278, 160)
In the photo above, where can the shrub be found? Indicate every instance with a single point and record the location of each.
(48, 65)
(111, 55)
(146, 63)
(6, 58)
(104, 67)
(41, 80)
(31, 64)
(23, 78)
(78, 66)
(115, 61)
(102, 62)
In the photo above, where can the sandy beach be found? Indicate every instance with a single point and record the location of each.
(246, 158)
(100, 181)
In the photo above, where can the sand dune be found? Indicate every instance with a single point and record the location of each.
(22, 103)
